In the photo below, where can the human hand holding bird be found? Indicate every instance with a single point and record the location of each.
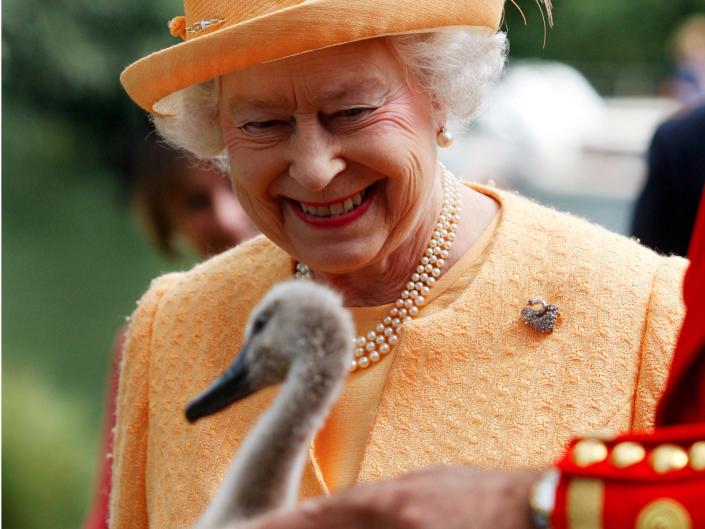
(452, 497)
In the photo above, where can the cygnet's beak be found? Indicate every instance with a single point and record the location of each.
(230, 387)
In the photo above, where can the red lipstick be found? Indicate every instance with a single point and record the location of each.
(337, 220)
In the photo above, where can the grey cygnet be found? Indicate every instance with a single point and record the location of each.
(301, 335)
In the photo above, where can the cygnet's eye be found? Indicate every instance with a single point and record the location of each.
(259, 323)
(263, 318)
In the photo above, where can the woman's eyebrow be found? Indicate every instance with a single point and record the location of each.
(237, 105)
(365, 86)
(350, 87)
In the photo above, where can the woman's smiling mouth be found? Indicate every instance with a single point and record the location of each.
(335, 213)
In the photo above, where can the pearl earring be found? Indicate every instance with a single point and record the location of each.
(444, 138)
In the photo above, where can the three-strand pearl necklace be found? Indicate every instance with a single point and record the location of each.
(371, 347)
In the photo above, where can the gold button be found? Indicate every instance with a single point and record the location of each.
(626, 454)
(588, 452)
(697, 456)
(664, 514)
(666, 458)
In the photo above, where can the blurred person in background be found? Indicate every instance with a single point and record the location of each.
(183, 204)
(186, 202)
(687, 83)
(665, 211)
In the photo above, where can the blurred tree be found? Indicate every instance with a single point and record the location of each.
(45, 448)
(63, 58)
(606, 40)
(73, 266)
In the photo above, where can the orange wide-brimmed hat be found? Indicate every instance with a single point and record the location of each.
(222, 36)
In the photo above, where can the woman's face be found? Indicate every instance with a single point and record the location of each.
(204, 211)
(332, 154)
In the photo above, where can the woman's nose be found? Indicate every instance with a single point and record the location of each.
(315, 156)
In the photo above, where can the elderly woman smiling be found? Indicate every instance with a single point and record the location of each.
(340, 170)
(329, 114)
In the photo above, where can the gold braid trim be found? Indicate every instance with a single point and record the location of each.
(585, 498)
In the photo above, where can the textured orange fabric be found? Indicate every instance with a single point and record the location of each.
(468, 384)
(258, 31)
(348, 428)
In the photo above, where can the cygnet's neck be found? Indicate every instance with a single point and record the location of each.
(267, 470)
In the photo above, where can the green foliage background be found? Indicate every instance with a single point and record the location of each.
(74, 260)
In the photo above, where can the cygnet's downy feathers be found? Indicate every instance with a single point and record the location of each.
(298, 327)
(301, 335)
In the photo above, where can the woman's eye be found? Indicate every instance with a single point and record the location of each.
(353, 112)
(259, 126)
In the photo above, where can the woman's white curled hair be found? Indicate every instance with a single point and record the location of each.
(457, 67)
(194, 124)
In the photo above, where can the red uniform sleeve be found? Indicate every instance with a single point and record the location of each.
(646, 481)
(683, 400)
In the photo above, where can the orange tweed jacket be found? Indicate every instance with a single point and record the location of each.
(469, 384)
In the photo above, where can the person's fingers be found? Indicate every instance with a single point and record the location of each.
(315, 514)
(449, 497)
(354, 508)
(278, 520)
